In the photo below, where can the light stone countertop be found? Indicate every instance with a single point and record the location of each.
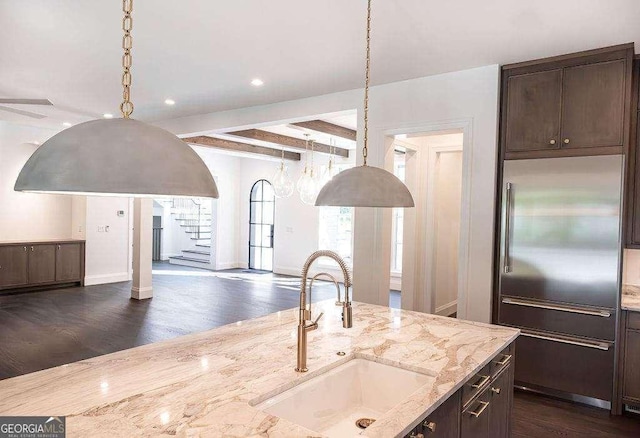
(630, 297)
(200, 385)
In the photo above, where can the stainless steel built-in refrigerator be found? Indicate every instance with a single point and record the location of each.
(559, 265)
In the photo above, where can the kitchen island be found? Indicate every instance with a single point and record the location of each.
(206, 384)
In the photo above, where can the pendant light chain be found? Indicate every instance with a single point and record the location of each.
(366, 86)
(126, 107)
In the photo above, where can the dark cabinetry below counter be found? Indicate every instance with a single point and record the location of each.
(40, 264)
(630, 359)
(480, 409)
(571, 105)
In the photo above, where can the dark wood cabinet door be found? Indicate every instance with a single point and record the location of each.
(533, 111)
(475, 418)
(631, 387)
(500, 391)
(68, 262)
(42, 263)
(593, 105)
(444, 422)
(13, 266)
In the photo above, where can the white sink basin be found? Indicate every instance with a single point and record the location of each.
(330, 403)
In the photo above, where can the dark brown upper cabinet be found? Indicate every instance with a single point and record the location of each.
(632, 206)
(568, 105)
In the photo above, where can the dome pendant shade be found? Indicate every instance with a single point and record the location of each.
(117, 157)
(365, 186)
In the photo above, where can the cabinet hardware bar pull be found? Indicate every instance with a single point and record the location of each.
(506, 359)
(598, 346)
(480, 411)
(430, 425)
(525, 303)
(506, 268)
(495, 390)
(481, 382)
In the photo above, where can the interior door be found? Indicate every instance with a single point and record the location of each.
(13, 265)
(533, 111)
(261, 225)
(42, 264)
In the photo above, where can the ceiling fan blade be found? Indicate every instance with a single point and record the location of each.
(9, 101)
(22, 113)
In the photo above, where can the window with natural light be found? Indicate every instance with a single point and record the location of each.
(336, 230)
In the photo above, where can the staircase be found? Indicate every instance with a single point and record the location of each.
(195, 218)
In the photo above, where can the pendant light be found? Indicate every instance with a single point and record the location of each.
(365, 186)
(309, 189)
(117, 156)
(330, 171)
(282, 182)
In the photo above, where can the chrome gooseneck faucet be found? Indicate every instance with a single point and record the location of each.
(305, 324)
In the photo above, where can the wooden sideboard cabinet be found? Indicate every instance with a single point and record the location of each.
(40, 264)
(569, 105)
(480, 409)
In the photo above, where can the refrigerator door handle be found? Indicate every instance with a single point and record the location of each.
(579, 342)
(506, 263)
(570, 309)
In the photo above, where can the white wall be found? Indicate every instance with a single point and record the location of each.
(27, 216)
(470, 95)
(108, 239)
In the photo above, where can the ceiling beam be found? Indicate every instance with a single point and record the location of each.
(328, 128)
(235, 146)
(285, 140)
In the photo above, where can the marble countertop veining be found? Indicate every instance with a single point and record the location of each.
(200, 385)
(630, 297)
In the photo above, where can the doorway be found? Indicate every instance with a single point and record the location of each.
(261, 223)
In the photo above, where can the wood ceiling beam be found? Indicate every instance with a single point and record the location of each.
(285, 140)
(328, 128)
(235, 146)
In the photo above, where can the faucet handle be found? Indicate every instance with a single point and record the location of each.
(318, 318)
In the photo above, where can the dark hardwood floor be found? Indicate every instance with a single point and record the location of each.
(536, 416)
(44, 329)
(39, 330)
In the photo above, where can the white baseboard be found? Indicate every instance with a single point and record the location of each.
(228, 265)
(141, 293)
(91, 280)
(395, 281)
(447, 309)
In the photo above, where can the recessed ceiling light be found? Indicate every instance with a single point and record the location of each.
(257, 82)
(107, 116)
(170, 101)
(67, 124)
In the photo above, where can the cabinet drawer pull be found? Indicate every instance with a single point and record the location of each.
(430, 425)
(597, 345)
(506, 358)
(495, 390)
(566, 141)
(476, 414)
(552, 141)
(481, 382)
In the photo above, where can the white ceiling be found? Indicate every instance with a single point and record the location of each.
(203, 54)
